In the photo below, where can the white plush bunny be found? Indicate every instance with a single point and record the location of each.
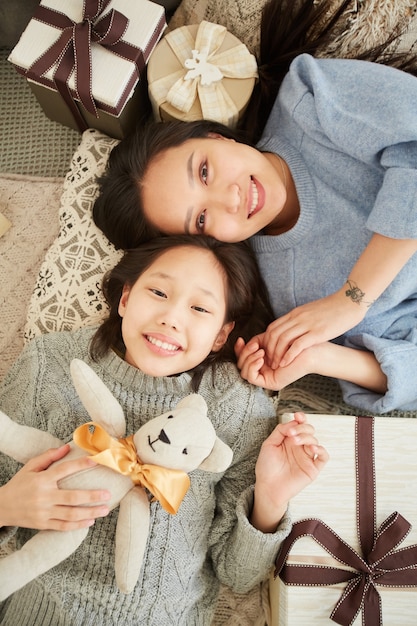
(180, 440)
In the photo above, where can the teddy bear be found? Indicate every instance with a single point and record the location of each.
(132, 469)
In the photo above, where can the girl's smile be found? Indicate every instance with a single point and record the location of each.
(160, 345)
(174, 314)
(214, 186)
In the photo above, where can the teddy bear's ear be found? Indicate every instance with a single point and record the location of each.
(193, 401)
(100, 403)
(219, 458)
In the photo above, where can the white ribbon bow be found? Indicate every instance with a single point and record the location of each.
(201, 73)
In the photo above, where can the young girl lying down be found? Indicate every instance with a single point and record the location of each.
(176, 307)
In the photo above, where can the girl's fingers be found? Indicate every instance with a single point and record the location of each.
(82, 497)
(66, 468)
(78, 514)
(305, 439)
(246, 352)
(294, 429)
(300, 417)
(318, 454)
(43, 461)
(251, 365)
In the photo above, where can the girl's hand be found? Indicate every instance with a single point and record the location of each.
(310, 324)
(251, 361)
(289, 460)
(32, 498)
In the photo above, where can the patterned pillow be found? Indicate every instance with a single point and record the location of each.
(67, 294)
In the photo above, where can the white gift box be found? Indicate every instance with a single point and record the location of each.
(86, 61)
(367, 481)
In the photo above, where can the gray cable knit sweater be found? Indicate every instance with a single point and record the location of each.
(207, 541)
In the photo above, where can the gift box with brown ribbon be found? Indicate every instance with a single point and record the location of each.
(201, 72)
(86, 60)
(351, 557)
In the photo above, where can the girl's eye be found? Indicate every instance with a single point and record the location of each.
(159, 293)
(200, 309)
(204, 173)
(201, 220)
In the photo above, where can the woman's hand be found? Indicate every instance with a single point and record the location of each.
(289, 460)
(310, 324)
(32, 498)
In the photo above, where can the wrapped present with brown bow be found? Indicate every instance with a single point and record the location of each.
(351, 557)
(86, 61)
(201, 72)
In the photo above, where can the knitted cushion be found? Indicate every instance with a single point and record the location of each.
(67, 293)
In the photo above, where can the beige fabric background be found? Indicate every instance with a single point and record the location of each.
(31, 206)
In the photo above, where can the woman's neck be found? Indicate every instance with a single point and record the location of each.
(288, 216)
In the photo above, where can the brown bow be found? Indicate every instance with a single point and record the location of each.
(381, 564)
(72, 51)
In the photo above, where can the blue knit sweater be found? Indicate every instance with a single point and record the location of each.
(348, 131)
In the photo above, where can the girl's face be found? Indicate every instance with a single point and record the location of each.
(173, 316)
(214, 186)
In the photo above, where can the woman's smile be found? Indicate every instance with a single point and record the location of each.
(256, 197)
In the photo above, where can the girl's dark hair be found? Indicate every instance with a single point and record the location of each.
(118, 209)
(247, 301)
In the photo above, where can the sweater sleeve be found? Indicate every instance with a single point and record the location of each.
(242, 555)
(17, 400)
(37, 392)
(398, 360)
(18, 388)
(368, 112)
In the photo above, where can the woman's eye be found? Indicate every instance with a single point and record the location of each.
(204, 173)
(201, 221)
(159, 293)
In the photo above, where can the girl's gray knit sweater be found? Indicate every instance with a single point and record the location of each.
(210, 538)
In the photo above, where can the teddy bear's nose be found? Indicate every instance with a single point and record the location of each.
(163, 437)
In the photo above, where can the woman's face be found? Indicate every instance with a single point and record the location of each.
(173, 316)
(214, 186)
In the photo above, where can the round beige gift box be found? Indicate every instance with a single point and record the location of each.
(164, 62)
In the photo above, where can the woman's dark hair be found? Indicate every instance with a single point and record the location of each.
(118, 210)
(288, 28)
(293, 27)
(247, 302)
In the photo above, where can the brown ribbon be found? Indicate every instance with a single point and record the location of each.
(72, 51)
(381, 564)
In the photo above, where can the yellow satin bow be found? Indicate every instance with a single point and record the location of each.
(168, 486)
